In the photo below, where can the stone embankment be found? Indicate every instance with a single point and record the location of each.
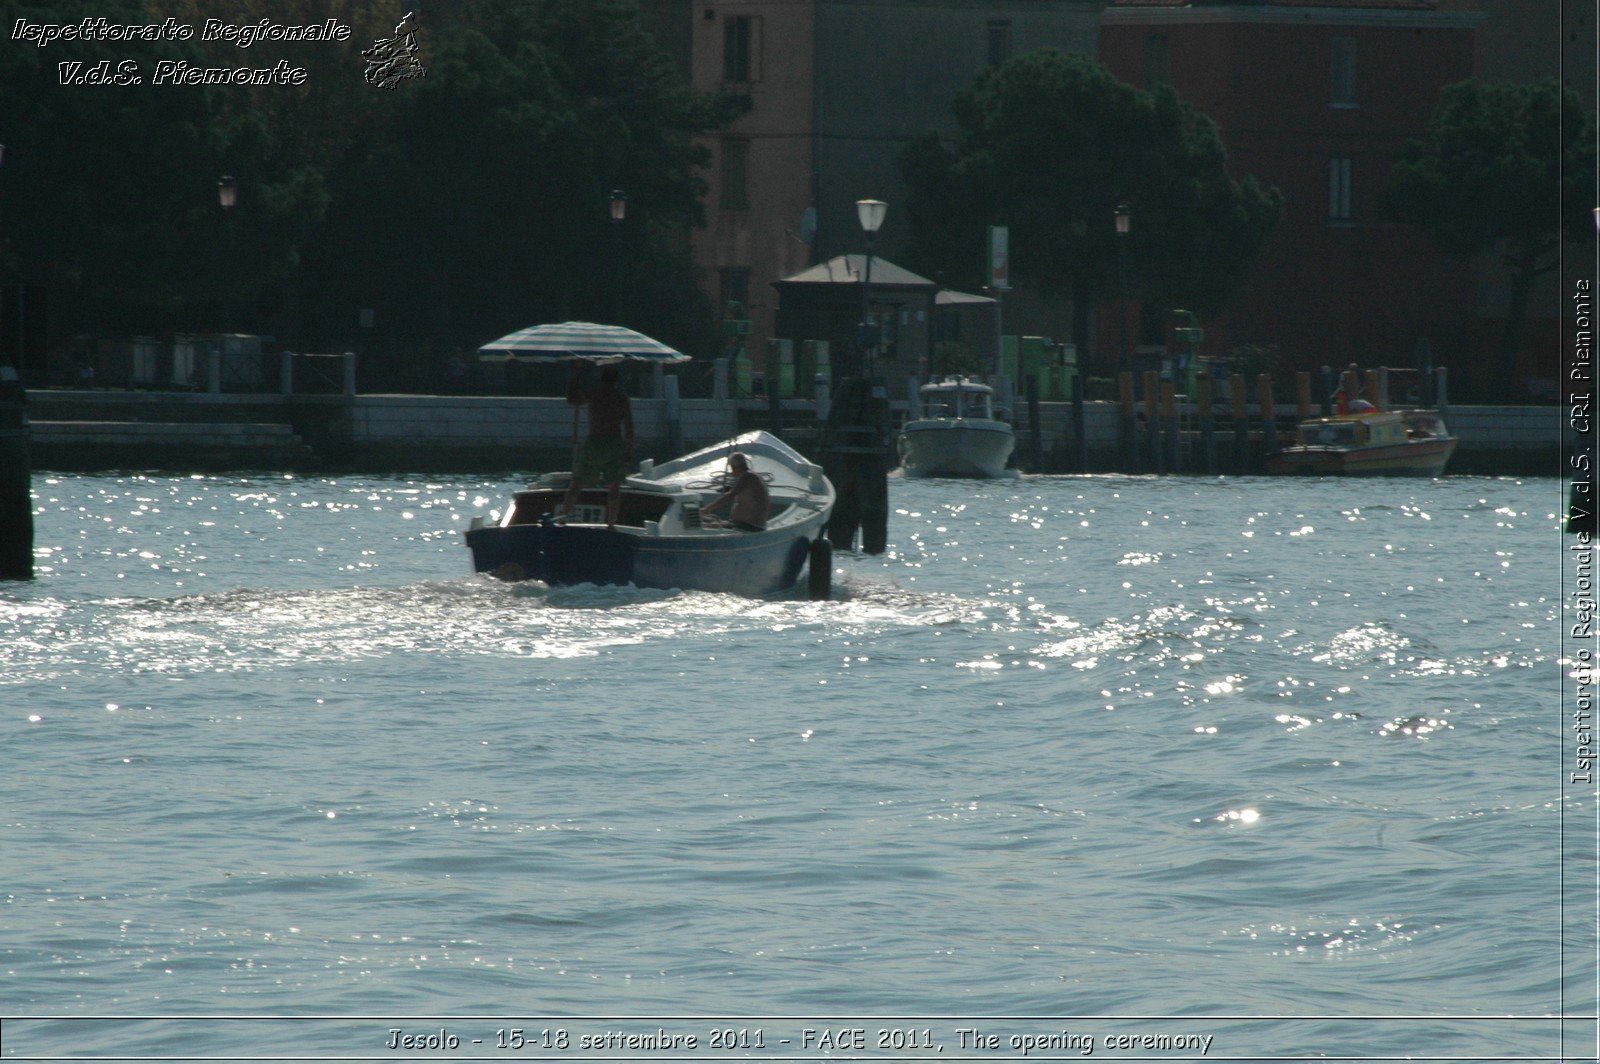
(93, 430)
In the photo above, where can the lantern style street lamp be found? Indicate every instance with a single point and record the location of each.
(227, 197)
(619, 214)
(870, 212)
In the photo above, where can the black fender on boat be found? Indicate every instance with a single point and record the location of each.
(819, 569)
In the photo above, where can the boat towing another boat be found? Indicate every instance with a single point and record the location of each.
(661, 539)
(1369, 443)
(958, 434)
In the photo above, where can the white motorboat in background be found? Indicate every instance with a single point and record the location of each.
(958, 434)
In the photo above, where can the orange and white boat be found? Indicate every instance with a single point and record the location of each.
(1402, 443)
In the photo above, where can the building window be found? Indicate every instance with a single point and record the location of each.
(741, 48)
(1343, 89)
(1339, 189)
(1157, 63)
(735, 175)
(999, 41)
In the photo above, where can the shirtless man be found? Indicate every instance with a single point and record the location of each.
(748, 494)
(609, 448)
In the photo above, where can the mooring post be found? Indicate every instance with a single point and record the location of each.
(1152, 418)
(1035, 444)
(1369, 388)
(1383, 388)
(854, 452)
(1325, 386)
(1128, 428)
(1080, 437)
(286, 373)
(1269, 418)
(1441, 391)
(774, 409)
(16, 487)
(1302, 395)
(1239, 407)
(349, 373)
(719, 379)
(669, 392)
(1208, 435)
(1169, 423)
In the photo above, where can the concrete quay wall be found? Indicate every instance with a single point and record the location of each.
(95, 430)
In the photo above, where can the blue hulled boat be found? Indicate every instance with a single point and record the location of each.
(661, 539)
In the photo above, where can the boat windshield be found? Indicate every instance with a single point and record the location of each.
(1329, 434)
(957, 402)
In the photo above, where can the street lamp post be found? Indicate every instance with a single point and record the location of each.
(870, 212)
(1124, 227)
(227, 197)
(619, 214)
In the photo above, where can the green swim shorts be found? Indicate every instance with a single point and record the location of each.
(601, 462)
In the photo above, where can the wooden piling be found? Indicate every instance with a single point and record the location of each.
(1080, 435)
(16, 487)
(1369, 388)
(1269, 420)
(1128, 425)
(669, 392)
(854, 452)
(1169, 423)
(1152, 420)
(1302, 396)
(1035, 436)
(1239, 407)
(1208, 434)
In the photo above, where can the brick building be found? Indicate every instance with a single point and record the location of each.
(837, 89)
(1316, 99)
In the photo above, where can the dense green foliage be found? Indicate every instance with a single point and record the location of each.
(1502, 168)
(1050, 144)
(458, 206)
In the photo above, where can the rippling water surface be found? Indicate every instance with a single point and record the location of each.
(1074, 747)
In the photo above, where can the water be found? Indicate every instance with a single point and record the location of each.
(1278, 763)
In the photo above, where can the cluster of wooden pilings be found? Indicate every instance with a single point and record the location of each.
(1153, 437)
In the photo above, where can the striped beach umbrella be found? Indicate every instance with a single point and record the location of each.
(579, 340)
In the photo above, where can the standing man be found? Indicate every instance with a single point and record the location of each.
(608, 451)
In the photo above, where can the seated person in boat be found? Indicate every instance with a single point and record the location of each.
(748, 494)
(609, 448)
